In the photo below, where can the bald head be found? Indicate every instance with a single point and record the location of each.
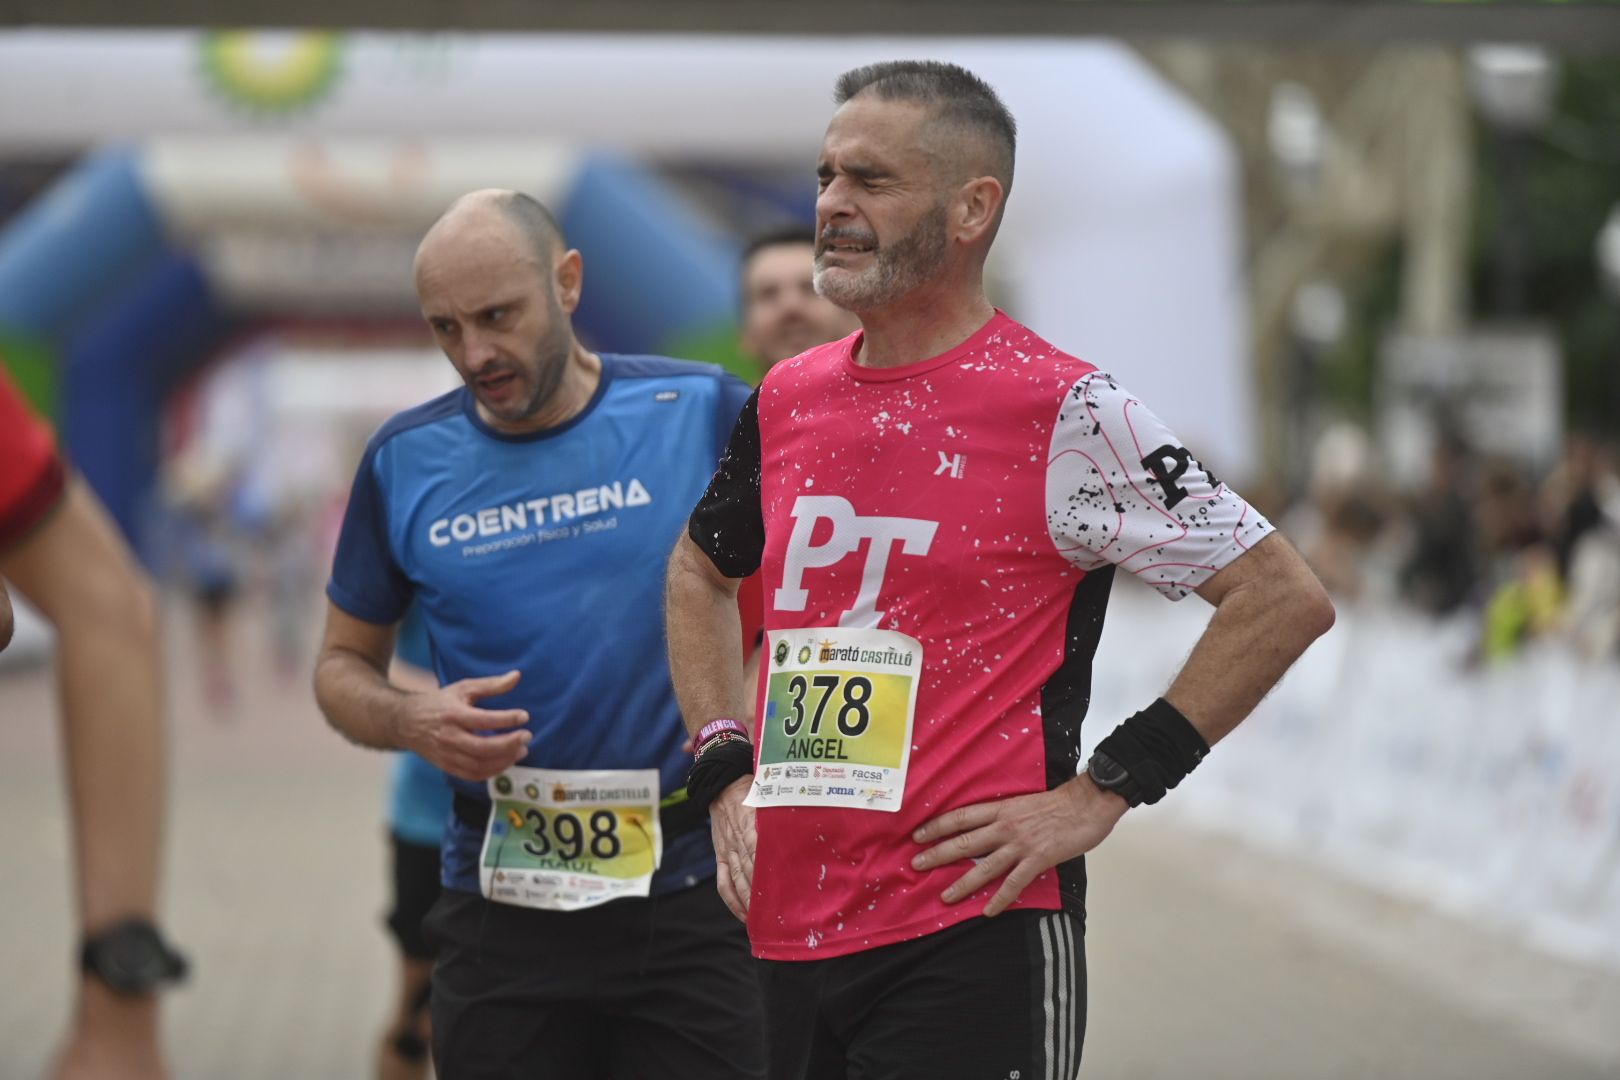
(496, 215)
(499, 289)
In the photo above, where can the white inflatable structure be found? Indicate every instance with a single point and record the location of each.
(1121, 242)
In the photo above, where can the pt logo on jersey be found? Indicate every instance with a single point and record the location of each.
(848, 530)
(1168, 464)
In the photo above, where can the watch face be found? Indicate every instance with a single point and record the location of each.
(1106, 772)
(133, 959)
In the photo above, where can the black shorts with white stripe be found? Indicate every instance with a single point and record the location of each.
(988, 999)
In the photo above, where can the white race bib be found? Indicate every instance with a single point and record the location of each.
(839, 707)
(569, 839)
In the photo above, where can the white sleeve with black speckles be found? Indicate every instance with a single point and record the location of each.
(1122, 489)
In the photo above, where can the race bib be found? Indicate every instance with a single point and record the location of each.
(565, 840)
(836, 729)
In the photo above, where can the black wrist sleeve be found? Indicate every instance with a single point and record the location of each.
(717, 770)
(1158, 747)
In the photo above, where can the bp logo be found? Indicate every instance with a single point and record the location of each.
(781, 653)
(272, 74)
(804, 655)
(503, 785)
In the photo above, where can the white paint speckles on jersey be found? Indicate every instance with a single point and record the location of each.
(968, 501)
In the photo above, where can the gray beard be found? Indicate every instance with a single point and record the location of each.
(897, 269)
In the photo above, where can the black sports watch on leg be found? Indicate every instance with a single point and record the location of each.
(1110, 775)
(131, 958)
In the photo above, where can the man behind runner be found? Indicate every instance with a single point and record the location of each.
(526, 514)
(418, 809)
(782, 314)
(938, 505)
(61, 551)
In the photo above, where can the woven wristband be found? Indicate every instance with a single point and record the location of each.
(714, 727)
(708, 745)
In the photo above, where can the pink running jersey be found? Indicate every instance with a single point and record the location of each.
(937, 543)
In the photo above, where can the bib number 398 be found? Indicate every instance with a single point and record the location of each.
(565, 835)
(568, 839)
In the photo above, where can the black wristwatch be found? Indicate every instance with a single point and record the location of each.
(1110, 775)
(131, 958)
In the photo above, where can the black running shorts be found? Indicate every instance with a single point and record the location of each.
(661, 988)
(988, 999)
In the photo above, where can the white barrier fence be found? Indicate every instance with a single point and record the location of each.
(1491, 792)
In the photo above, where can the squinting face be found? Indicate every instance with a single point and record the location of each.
(880, 220)
(497, 317)
(782, 315)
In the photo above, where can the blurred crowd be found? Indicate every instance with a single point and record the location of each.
(1521, 556)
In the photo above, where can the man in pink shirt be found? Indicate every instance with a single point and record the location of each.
(938, 505)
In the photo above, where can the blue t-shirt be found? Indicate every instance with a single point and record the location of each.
(418, 793)
(545, 552)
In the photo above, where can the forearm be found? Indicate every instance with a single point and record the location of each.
(358, 700)
(76, 570)
(1258, 630)
(705, 648)
(109, 666)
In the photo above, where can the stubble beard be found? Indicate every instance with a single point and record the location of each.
(896, 270)
(544, 373)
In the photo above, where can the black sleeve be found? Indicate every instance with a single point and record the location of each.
(728, 523)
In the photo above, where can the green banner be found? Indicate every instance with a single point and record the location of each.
(32, 365)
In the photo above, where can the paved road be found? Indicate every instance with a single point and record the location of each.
(1208, 960)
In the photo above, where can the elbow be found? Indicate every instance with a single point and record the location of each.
(1316, 611)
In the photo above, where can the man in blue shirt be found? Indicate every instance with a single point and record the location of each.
(528, 515)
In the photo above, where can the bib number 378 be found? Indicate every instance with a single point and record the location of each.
(837, 719)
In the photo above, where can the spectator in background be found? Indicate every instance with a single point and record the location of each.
(61, 552)
(201, 490)
(1441, 571)
(782, 315)
(1572, 496)
(1521, 591)
(1592, 539)
(1343, 518)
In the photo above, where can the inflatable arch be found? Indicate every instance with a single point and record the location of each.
(1121, 242)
